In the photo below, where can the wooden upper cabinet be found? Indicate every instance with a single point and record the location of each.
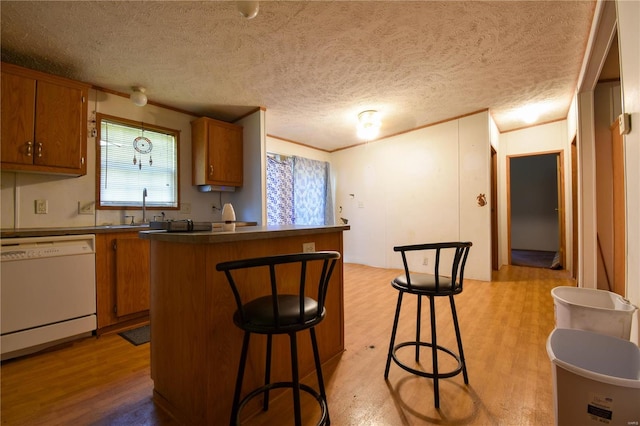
(59, 126)
(216, 153)
(44, 122)
(18, 119)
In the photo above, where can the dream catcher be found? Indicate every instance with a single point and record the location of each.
(143, 146)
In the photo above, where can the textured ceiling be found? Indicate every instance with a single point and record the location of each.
(315, 65)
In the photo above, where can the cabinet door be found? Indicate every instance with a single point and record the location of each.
(132, 276)
(18, 106)
(59, 124)
(225, 155)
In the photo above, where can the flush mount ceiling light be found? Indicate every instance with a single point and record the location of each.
(529, 114)
(368, 124)
(138, 97)
(248, 9)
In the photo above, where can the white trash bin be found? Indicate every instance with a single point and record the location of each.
(594, 310)
(596, 378)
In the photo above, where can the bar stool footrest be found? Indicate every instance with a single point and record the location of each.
(421, 373)
(324, 416)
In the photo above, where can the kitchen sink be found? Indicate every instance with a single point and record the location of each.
(128, 226)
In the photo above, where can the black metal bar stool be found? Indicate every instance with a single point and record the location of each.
(431, 286)
(282, 313)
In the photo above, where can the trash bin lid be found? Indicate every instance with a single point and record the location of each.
(595, 356)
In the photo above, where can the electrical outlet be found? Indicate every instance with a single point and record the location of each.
(185, 208)
(86, 207)
(308, 247)
(42, 207)
(425, 261)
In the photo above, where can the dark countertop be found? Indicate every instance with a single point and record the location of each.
(49, 232)
(240, 234)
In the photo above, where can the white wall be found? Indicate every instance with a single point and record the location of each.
(546, 138)
(20, 190)
(572, 120)
(279, 146)
(628, 13)
(475, 179)
(494, 134)
(249, 201)
(417, 187)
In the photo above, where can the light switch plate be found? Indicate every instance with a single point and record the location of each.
(42, 206)
(185, 208)
(86, 207)
(624, 124)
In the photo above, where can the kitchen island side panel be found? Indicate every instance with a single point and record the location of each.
(195, 347)
(178, 336)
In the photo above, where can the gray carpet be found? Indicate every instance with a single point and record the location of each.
(137, 336)
(533, 258)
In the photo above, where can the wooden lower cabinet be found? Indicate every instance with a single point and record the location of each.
(122, 281)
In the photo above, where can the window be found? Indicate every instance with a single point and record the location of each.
(298, 191)
(134, 156)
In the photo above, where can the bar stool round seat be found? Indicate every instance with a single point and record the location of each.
(431, 286)
(282, 313)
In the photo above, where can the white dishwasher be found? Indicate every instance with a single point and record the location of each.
(47, 292)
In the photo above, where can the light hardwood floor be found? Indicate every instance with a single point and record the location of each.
(504, 324)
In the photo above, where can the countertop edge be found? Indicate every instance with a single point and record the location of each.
(240, 234)
(50, 232)
(79, 230)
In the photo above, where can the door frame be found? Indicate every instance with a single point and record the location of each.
(561, 207)
(495, 264)
(574, 208)
(619, 211)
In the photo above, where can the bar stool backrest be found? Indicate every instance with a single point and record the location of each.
(461, 251)
(278, 317)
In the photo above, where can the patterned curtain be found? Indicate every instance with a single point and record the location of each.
(279, 191)
(298, 192)
(312, 192)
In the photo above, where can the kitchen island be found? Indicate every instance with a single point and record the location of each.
(195, 347)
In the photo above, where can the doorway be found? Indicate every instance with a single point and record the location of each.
(535, 210)
(610, 198)
(610, 183)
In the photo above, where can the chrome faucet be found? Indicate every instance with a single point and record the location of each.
(144, 205)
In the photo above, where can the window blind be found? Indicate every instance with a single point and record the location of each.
(133, 158)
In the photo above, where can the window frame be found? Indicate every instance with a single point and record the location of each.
(139, 125)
